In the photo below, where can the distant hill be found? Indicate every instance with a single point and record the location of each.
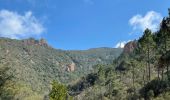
(34, 64)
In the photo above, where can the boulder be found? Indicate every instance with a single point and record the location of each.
(71, 67)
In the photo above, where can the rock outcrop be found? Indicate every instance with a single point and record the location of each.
(43, 42)
(32, 41)
(71, 67)
(129, 47)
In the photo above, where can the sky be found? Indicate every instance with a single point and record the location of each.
(81, 24)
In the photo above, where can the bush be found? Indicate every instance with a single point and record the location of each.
(59, 91)
(154, 88)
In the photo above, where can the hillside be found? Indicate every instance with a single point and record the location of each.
(141, 72)
(33, 65)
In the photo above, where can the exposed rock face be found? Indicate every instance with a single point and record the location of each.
(32, 41)
(34, 66)
(129, 47)
(29, 41)
(43, 42)
(71, 67)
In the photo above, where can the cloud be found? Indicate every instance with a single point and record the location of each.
(151, 20)
(14, 25)
(121, 44)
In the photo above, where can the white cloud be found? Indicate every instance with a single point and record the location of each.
(151, 20)
(14, 25)
(121, 44)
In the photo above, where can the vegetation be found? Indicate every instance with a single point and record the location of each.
(34, 65)
(140, 72)
(58, 92)
(134, 75)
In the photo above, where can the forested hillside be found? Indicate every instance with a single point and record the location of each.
(28, 67)
(31, 69)
(140, 72)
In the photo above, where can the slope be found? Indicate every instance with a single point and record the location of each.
(34, 64)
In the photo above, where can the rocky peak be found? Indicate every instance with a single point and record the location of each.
(129, 47)
(32, 41)
(43, 42)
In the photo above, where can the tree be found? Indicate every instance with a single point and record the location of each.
(147, 44)
(165, 38)
(164, 60)
(101, 73)
(58, 92)
(133, 73)
(5, 78)
(169, 11)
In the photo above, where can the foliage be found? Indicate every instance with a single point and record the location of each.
(136, 75)
(35, 66)
(58, 92)
(84, 83)
(5, 78)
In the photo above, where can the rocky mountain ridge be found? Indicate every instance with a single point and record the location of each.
(34, 64)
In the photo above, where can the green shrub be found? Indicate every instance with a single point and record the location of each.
(59, 91)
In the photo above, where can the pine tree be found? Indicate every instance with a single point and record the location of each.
(147, 44)
(169, 11)
(164, 36)
(133, 73)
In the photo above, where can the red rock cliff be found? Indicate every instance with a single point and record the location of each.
(129, 47)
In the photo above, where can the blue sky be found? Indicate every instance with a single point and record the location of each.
(80, 24)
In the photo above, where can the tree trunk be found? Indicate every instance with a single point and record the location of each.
(133, 78)
(146, 72)
(167, 68)
(158, 73)
(149, 64)
(144, 77)
(162, 73)
(110, 90)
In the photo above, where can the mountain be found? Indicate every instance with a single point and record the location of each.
(33, 65)
(141, 72)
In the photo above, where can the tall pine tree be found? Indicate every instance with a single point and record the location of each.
(147, 44)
